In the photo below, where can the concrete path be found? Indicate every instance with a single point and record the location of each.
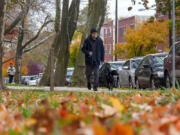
(68, 89)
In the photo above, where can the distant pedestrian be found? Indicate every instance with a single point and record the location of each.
(11, 71)
(93, 49)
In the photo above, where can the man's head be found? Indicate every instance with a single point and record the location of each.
(11, 64)
(94, 33)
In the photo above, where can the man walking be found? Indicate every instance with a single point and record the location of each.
(11, 71)
(93, 49)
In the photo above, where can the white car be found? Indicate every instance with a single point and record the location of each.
(69, 75)
(33, 81)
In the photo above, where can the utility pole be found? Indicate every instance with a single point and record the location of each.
(170, 17)
(116, 26)
(52, 70)
(174, 40)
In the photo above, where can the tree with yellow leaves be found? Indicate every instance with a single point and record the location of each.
(74, 48)
(143, 40)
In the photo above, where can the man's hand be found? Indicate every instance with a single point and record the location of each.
(90, 53)
(102, 63)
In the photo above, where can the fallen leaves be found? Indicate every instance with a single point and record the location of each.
(68, 113)
(121, 129)
(117, 104)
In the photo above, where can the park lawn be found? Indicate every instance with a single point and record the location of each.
(67, 113)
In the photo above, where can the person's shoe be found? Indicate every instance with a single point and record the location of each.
(95, 89)
(89, 86)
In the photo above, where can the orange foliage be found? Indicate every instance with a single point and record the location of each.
(120, 129)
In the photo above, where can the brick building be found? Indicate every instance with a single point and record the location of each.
(131, 22)
(108, 36)
(109, 29)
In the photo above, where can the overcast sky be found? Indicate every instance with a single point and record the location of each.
(123, 6)
(122, 9)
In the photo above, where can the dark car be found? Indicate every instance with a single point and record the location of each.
(150, 72)
(168, 66)
(112, 67)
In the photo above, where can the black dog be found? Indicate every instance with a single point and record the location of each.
(109, 78)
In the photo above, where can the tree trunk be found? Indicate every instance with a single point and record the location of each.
(19, 53)
(68, 28)
(2, 14)
(45, 81)
(63, 36)
(96, 15)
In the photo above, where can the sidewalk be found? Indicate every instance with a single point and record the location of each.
(68, 89)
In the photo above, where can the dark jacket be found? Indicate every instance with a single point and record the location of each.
(88, 47)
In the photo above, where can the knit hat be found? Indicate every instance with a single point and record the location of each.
(93, 30)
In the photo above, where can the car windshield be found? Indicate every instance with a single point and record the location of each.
(69, 72)
(116, 65)
(33, 78)
(158, 60)
(135, 63)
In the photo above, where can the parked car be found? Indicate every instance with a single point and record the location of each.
(117, 65)
(113, 67)
(25, 79)
(168, 65)
(150, 72)
(127, 74)
(33, 81)
(69, 75)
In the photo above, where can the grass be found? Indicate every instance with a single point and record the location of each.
(42, 112)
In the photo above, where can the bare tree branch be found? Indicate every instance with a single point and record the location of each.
(33, 47)
(39, 43)
(19, 17)
(38, 33)
(9, 41)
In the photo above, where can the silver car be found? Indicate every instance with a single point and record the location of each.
(127, 73)
(116, 65)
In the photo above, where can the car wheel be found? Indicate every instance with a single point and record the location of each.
(137, 84)
(152, 82)
(130, 83)
(167, 81)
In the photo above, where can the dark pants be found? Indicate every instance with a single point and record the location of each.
(92, 69)
(11, 78)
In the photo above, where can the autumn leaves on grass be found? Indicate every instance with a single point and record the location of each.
(133, 113)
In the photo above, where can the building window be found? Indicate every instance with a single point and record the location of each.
(132, 26)
(105, 49)
(122, 32)
(109, 50)
(110, 32)
(105, 32)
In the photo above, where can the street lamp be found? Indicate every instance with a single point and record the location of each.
(173, 31)
(116, 27)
